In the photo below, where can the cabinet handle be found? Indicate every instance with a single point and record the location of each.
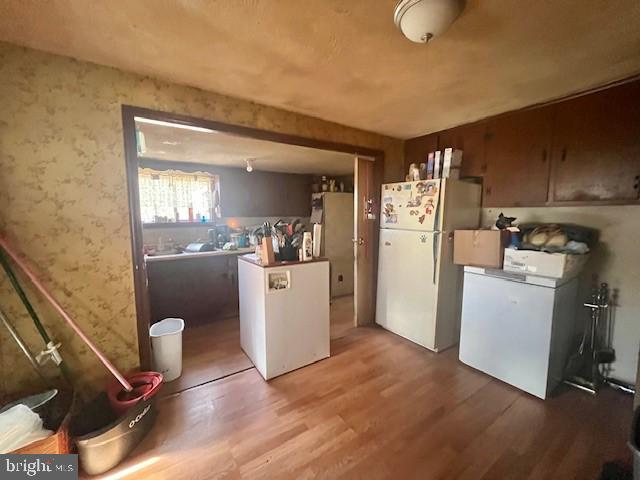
(563, 155)
(636, 185)
(544, 155)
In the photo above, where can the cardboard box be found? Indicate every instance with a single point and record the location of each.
(480, 248)
(555, 265)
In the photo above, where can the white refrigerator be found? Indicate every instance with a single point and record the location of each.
(334, 210)
(419, 287)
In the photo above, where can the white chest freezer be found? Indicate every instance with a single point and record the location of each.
(284, 313)
(518, 327)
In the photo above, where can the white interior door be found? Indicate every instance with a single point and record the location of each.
(406, 291)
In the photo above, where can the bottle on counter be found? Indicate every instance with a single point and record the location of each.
(307, 247)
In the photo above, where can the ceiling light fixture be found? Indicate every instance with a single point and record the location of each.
(174, 125)
(421, 20)
(249, 165)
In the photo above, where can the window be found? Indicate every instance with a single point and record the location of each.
(173, 196)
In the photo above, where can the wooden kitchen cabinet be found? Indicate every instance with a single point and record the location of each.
(517, 159)
(579, 151)
(417, 149)
(471, 140)
(596, 147)
(196, 289)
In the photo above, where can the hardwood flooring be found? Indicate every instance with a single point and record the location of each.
(380, 407)
(212, 351)
(342, 319)
(209, 352)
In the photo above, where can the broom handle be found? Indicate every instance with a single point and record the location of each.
(23, 266)
(18, 339)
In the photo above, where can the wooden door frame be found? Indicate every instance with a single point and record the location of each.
(143, 313)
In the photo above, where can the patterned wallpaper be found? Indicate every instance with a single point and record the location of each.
(63, 197)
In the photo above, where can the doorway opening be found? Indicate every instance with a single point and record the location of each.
(204, 187)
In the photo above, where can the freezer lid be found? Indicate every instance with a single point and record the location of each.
(519, 277)
(410, 205)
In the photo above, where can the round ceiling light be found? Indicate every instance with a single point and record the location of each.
(421, 20)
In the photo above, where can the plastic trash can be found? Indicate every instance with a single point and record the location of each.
(634, 443)
(166, 343)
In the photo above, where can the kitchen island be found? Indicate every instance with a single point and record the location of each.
(284, 313)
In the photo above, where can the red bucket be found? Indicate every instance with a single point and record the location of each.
(145, 385)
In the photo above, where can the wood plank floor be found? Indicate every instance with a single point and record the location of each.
(209, 352)
(380, 407)
(212, 351)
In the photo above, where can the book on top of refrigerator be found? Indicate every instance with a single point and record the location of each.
(437, 163)
(430, 166)
(451, 163)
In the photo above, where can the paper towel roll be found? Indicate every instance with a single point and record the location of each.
(317, 238)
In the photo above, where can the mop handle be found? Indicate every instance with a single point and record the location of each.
(23, 266)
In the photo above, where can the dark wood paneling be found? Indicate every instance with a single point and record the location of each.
(596, 147)
(517, 156)
(471, 140)
(261, 194)
(417, 149)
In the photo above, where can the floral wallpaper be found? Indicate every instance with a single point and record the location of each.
(63, 195)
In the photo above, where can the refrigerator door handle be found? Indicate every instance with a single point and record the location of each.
(435, 255)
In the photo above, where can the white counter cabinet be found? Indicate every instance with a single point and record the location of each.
(284, 313)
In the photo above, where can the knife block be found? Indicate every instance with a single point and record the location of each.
(268, 257)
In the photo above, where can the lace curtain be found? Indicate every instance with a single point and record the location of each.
(175, 196)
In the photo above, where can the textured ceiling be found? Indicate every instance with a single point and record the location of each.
(344, 61)
(217, 148)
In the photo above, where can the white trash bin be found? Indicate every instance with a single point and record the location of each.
(166, 343)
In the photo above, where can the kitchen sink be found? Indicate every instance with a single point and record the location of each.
(166, 252)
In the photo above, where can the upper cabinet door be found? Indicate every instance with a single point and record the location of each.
(417, 149)
(470, 139)
(517, 150)
(596, 146)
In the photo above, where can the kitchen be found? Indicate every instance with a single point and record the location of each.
(497, 343)
(204, 198)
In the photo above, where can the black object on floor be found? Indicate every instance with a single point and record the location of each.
(616, 471)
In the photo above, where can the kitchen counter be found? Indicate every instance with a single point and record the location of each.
(252, 258)
(190, 255)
